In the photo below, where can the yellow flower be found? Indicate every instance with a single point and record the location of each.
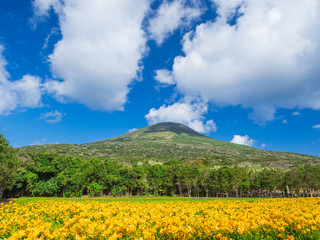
(60, 219)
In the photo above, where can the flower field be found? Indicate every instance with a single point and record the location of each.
(165, 219)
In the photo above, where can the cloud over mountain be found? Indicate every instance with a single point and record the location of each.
(244, 140)
(190, 114)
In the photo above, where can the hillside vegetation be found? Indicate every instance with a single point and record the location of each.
(163, 159)
(172, 141)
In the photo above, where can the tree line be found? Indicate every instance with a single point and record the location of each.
(46, 174)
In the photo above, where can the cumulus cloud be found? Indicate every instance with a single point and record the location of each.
(243, 140)
(164, 77)
(52, 117)
(285, 121)
(267, 60)
(100, 50)
(23, 93)
(316, 126)
(170, 16)
(189, 114)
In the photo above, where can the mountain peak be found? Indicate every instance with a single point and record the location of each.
(161, 131)
(177, 128)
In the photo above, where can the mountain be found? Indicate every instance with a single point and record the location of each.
(161, 131)
(173, 141)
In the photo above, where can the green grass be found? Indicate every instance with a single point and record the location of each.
(133, 199)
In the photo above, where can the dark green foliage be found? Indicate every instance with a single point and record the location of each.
(46, 174)
(46, 188)
(8, 165)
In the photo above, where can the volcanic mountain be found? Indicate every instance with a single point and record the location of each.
(173, 141)
(166, 131)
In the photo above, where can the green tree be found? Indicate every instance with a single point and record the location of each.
(8, 165)
(225, 175)
(205, 179)
(157, 178)
(95, 189)
(190, 178)
(214, 182)
(46, 188)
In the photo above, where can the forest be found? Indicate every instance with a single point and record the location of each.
(47, 174)
(50, 174)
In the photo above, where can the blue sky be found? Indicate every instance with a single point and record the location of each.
(236, 70)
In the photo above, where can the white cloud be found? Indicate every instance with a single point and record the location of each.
(42, 7)
(132, 129)
(164, 76)
(170, 16)
(52, 117)
(243, 140)
(100, 50)
(226, 9)
(263, 145)
(189, 114)
(285, 121)
(268, 60)
(316, 126)
(296, 113)
(23, 93)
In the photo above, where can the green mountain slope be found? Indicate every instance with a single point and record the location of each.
(172, 141)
